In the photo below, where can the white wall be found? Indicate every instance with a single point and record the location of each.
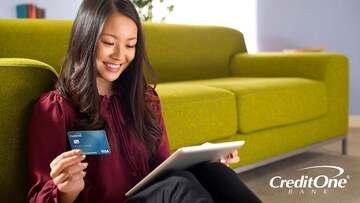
(284, 24)
(55, 9)
(237, 14)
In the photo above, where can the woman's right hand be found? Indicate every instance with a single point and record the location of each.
(67, 173)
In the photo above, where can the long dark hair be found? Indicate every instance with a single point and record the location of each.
(77, 81)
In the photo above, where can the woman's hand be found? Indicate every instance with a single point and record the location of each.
(231, 158)
(67, 172)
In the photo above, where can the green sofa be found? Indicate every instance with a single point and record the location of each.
(211, 90)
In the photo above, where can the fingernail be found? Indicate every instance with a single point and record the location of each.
(85, 165)
(83, 156)
(78, 151)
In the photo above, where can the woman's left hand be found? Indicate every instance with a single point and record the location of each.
(231, 158)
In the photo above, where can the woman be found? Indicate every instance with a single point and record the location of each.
(102, 86)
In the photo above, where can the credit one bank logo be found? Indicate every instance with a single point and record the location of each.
(312, 184)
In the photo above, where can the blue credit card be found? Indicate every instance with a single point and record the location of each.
(92, 142)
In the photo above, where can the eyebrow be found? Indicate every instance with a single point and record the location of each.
(114, 36)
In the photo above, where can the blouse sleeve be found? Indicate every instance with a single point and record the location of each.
(163, 151)
(47, 140)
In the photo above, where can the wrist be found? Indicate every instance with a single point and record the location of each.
(67, 197)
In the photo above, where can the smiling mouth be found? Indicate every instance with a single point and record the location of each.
(112, 66)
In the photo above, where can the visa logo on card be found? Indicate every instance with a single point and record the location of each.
(92, 142)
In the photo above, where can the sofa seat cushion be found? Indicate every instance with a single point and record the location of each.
(271, 102)
(195, 114)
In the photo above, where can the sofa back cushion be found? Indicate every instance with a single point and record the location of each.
(177, 52)
(22, 82)
(42, 40)
(190, 52)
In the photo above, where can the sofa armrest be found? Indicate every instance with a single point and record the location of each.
(331, 68)
(318, 66)
(21, 84)
(24, 62)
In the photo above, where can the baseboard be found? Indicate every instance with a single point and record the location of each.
(354, 121)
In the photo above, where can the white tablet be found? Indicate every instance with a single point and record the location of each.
(188, 156)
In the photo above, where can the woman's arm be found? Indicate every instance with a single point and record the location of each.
(47, 140)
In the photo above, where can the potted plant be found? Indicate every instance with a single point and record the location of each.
(145, 8)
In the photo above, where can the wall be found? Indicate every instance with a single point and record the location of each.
(237, 14)
(284, 24)
(55, 9)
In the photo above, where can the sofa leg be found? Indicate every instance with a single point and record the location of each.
(344, 146)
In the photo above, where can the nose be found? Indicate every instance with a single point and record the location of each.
(118, 53)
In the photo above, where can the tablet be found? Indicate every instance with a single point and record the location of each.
(188, 156)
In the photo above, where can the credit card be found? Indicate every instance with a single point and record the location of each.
(92, 142)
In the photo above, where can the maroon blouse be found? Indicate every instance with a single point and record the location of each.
(108, 177)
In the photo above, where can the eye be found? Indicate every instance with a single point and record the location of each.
(130, 46)
(108, 43)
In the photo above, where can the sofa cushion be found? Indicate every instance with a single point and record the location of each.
(196, 114)
(191, 50)
(42, 40)
(271, 102)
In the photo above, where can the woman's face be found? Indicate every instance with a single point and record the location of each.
(115, 48)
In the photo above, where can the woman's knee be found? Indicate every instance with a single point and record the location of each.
(186, 188)
(216, 166)
(183, 179)
(213, 170)
(179, 186)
